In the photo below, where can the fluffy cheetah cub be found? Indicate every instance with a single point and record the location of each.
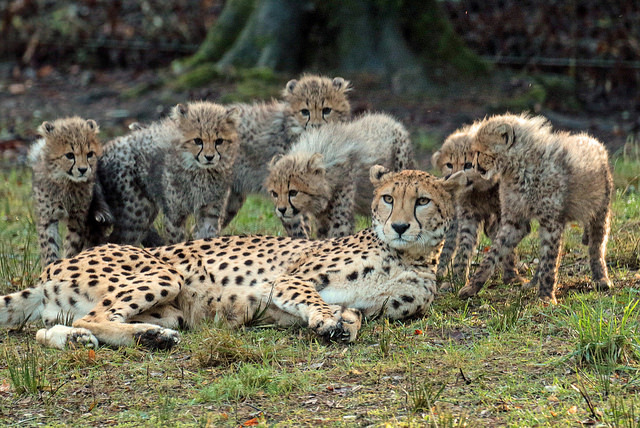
(122, 295)
(554, 177)
(182, 165)
(64, 163)
(478, 204)
(269, 129)
(325, 169)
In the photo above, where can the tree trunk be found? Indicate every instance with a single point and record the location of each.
(389, 37)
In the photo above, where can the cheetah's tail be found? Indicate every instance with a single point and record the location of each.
(20, 307)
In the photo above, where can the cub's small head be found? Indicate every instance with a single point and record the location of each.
(298, 184)
(315, 100)
(411, 209)
(455, 154)
(497, 136)
(71, 148)
(209, 134)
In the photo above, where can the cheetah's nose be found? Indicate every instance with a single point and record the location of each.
(400, 228)
(209, 157)
(282, 209)
(82, 170)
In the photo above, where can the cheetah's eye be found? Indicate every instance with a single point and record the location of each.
(387, 199)
(292, 193)
(90, 155)
(422, 201)
(274, 194)
(70, 155)
(449, 165)
(468, 165)
(197, 141)
(326, 111)
(219, 141)
(305, 112)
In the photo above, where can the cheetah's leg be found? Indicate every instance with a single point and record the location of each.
(509, 236)
(76, 238)
(598, 235)
(297, 226)
(510, 274)
(300, 298)
(467, 243)
(235, 201)
(550, 242)
(209, 218)
(135, 300)
(340, 220)
(48, 238)
(408, 295)
(449, 249)
(174, 225)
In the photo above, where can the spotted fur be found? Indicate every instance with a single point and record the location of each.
(553, 177)
(323, 174)
(269, 129)
(181, 165)
(122, 295)
(64, 163)
(478, 205)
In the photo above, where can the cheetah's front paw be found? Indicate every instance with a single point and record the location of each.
(343, 326)
(468, 291)
(158, 338)
(59, 336)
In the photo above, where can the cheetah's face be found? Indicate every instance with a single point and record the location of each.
(297, 185)
(209, 132)
(454, 155)
(411, 209)
(314, 101)
(72, 148)
(492, 141)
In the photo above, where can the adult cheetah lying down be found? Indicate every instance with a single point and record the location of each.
(122, 295)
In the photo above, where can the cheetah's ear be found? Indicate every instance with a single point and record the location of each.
(231, 116)
(179, 110)
(340, 84)
(434, 159)
(93, 125)
(274, 160)
(291, 85)
(46, 128)
(505, 130)
(376, 173)
(314, 165)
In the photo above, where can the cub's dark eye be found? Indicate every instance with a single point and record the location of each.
(274, 194)
(449, 165)
(219, 141)
(468, 165)
(197, 141)
(305, 112)
(69, 155)
(293, 193)
(481, 170)
(326, 111)
(422, 201)
(387, 199)
(90, 155)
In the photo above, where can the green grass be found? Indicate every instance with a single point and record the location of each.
(502, 358)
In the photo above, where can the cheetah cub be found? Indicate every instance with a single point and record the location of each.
(182, 165)
(478, 204)
(324, 172)
(64, 163)
(554, 177)
(123, 295)
(269, 129)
